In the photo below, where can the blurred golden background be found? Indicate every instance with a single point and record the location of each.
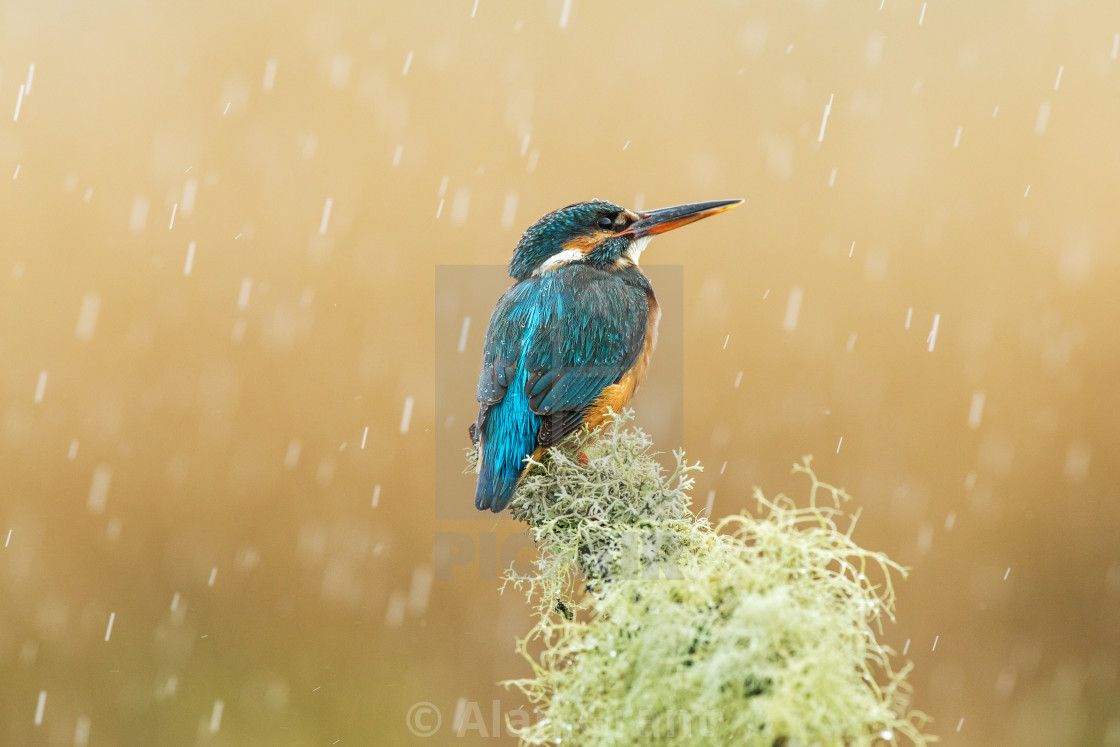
(220, 229)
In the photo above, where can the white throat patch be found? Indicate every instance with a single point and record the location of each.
(559, 259)
(637, 246)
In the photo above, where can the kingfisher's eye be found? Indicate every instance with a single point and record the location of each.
(604, 222)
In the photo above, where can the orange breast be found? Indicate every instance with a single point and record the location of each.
(617, 396)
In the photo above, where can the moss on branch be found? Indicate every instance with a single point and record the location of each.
(656, 627)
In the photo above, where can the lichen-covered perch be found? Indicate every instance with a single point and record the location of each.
(655, 627)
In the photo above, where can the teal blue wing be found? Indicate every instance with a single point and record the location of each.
(591, 338)
(553, 344)
(506, 427)
(515, 316)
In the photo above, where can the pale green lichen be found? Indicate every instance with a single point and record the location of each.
(654, 627)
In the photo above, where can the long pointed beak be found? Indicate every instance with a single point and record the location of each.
(666, 219)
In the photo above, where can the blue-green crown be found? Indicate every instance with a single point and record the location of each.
(549, 235)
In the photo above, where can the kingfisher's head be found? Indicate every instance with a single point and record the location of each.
(599, 233)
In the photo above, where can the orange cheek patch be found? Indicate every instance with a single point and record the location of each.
(588, 243)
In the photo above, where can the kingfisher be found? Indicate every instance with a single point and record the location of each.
(572, 338)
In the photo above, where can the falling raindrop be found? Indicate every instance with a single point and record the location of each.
(216, 716)
(406, 415)
(99, 488)
(326, 216)
(40, 387)
(873, 53)
(243, 294)
(190, 191)
(138, 219)
(42, 704)
(394, 614)
(19, 101)
(793, 309)
(269, 74)
(420, 590)
(1077, 460)
(976, 409)
(81, 731)
(190, 259)
(463, 332)
(824, 118)
(1043, 118)
(932, 338)
(291, 459)
(87, 316)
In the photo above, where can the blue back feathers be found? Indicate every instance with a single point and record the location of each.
(554, 342)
